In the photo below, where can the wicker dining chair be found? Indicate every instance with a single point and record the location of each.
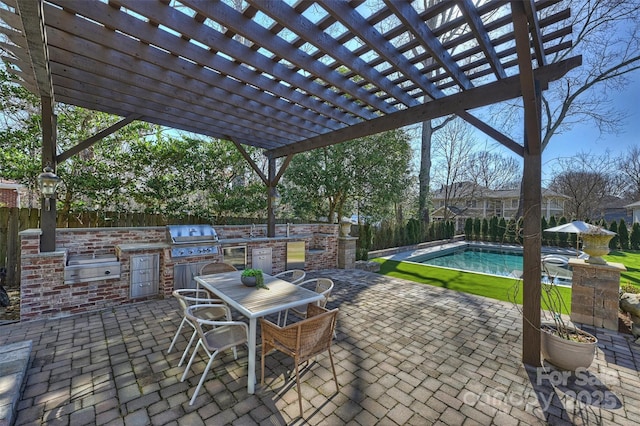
(189, 297)
(302, 340)
(322, 285)
(224, 335)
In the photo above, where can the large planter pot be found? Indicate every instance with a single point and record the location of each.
(345, 229)
(596, 245)
(567, 354)
(248, 281)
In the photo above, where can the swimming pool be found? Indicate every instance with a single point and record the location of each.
(494, 261)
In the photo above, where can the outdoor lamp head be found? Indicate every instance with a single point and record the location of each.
(275, 198)
(48, 182)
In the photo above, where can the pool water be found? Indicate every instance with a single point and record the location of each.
(506, 263)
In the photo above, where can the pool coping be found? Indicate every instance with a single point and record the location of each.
(405, 255)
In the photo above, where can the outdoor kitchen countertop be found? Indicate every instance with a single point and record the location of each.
(262, 239)
(141, 246)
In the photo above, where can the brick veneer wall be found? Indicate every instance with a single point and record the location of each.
(8, 197)
(45, 295)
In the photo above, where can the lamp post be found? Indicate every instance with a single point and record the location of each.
(48, 183)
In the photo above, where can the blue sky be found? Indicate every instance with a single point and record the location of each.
(586, 137)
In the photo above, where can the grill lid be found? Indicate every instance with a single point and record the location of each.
(184, 234)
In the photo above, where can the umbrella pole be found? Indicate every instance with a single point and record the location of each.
(577, 245)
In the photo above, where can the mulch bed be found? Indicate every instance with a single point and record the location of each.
(12, 312)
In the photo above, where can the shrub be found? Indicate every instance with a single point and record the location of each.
(552, 237)
(634, 238)
(615, 241)
(362, 254)
(476, 228)
(502, 229)
(623, 233)
(468, 229)
(485, 229)
(563, 236)
(493, 228)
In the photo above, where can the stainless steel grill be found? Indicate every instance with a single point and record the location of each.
(192, 240)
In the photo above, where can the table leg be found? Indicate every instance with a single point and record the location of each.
(251, 380)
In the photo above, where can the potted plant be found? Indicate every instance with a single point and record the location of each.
(562, 343)
(252, 278)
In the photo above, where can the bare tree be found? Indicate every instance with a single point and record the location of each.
(589, 181)
(494, 171)
(452, 153)
(607, 34)
(431, 126)
(629, 165)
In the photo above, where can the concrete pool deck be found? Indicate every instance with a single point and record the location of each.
(405, 353)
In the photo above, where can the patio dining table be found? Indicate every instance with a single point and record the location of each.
(254, 303)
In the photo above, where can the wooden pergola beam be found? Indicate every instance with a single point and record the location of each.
(95, 138)
(498, 91)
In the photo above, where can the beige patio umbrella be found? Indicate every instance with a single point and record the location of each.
(577, 227)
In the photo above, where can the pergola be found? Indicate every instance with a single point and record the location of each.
(293, 76)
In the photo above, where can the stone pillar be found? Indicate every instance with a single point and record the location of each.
(595, 293)
(347, 252)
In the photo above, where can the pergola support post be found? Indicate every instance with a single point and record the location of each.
(48, 207)
(271, 198)
(532, 270)
(531, 191)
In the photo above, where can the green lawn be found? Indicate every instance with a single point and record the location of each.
(505, 289)
(631, 260)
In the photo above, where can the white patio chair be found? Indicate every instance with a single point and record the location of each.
(224, 335)
(322, 286)
(216, 310)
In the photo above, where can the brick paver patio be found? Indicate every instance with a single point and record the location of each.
(406, 354)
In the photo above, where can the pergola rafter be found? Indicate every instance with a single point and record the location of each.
(289, 76)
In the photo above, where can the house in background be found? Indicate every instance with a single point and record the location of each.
(635, 208)
(468, 200)
(10, 193)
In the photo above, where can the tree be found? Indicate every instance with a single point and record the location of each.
(452, 151)
(552, 237)
(623, 233)
(369, 174)
(629, 165)
(614, 242)
(634, 238)
(477, 229)
(492, 170)
(607, 35)
(588, 181)
(431, 126)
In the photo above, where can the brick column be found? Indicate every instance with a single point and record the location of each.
(595, 293)
(347, 252)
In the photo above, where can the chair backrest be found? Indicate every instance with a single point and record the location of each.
(188, 296)
(192, 315)
(324, 286)
(294, 276)
(216, 268)
(315, 333)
